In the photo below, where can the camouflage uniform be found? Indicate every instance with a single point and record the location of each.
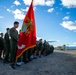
(13, 42)
(7, 46)
(40, 47)
(1, 46)
(44, 48)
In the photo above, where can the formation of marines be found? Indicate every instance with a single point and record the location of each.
(8, 48)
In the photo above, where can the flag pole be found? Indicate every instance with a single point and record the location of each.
(32, 1)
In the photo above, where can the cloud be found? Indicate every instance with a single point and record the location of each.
(71, 46)
(66, 18)
(16, 2)
(12, 6)
(1, 17)
(50, 10)
(53, 41)
(74, 43)
(49, 2)
(27, 9)
(40, 2)
(18, 14)
(50, 41)
(23, 9)
(8, 10)
(69, 3)
(69, 25)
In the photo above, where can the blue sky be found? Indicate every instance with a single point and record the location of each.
(55, 19)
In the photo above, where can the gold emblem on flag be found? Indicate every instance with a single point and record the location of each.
(28, 26)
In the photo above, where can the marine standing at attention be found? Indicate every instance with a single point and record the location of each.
(13, 42)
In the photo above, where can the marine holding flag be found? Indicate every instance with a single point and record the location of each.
(27, 38)
(13, 44)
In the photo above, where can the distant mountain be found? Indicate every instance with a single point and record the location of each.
(71, 47)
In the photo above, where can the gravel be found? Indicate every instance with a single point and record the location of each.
(58, 63)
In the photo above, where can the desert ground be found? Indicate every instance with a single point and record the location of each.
(58, 63)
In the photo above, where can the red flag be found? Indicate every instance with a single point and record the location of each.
(27, 37)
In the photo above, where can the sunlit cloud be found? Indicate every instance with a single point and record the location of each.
(28, 8)
(9, 10)
(69, 3)
(50, 10)
(18, 14)
(69, 25)
(66, 18)
(40, 2)
(16, 2)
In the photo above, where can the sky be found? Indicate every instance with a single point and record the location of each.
(55, 19)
